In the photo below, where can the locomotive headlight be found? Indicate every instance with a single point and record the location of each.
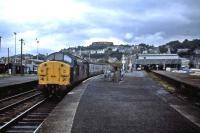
(43, 68)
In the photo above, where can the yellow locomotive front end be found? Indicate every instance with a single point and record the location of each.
(54, 77)
(54, 73)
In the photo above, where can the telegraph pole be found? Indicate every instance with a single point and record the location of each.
(15, 46)
(8, 56)
(21, 70)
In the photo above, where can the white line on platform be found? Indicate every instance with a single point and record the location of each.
(91, 78)
(190, 117)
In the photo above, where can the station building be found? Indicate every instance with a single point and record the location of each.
(157, 61)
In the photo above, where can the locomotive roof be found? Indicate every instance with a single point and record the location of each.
(68, 58)
(73, 59)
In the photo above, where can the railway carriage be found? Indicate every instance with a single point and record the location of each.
(62, 70)
(95, 69)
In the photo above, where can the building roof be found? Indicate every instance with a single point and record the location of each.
(158, 61)
(145, 59)
(158, 55)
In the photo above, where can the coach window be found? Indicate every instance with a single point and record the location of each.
(67, 59)
(59, 56)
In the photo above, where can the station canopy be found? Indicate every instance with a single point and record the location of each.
(145, 59)
(158, 61)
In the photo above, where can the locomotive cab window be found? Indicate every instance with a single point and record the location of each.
(50, 57)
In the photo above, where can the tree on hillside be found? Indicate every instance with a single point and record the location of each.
(186, 44)
(163, 49)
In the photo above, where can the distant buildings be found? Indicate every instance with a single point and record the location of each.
(102, 43)
(182, 50)
(129, 56)
(196, 59)
(13, 66)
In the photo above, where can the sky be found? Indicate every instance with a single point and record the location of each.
(59, 24)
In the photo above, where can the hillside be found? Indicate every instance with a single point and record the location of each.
(184, 49)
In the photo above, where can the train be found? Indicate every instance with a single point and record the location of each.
(62, 70)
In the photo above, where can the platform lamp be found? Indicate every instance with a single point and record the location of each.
(37, 46)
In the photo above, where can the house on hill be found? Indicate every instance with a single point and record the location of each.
(100, 44)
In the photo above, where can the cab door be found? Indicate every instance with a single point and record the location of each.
(51, 72)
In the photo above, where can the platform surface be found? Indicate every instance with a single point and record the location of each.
(135, 105)
(12, 80)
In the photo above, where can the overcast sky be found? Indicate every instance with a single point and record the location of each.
(66, 23)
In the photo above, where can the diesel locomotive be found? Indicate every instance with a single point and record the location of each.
(62, 70)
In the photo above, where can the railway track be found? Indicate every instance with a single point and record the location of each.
(13, 106)
(31, 119)
(3, 109)
(17, 95)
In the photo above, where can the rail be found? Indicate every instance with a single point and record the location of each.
(16, 119)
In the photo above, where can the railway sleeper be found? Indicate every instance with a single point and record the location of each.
(15, 131)
(39, 113)
(36, 115)
(24, 127)
(28, 123)
(32, 119)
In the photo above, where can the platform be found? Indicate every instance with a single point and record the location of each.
(182, 77)
(135, 105)
(14, 80)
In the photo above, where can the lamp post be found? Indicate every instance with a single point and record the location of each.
(22, 41)
(8, 55)
(37, 46)
(15, 46)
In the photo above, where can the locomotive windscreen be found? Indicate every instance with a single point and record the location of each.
(50, 57)
(55, 56)
(60, 57)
